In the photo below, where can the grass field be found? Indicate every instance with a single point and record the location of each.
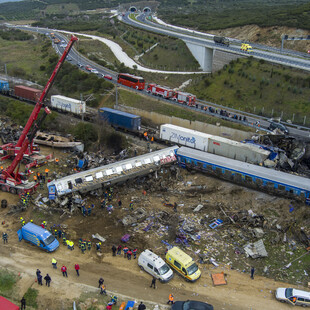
(258, 87)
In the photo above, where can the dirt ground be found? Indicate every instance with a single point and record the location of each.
(123, 276)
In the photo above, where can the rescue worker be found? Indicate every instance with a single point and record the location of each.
(175, 207)
(48, 280)
(21, 220)
(152, 139)
(46, 172)
(77, 268)
(145, 136)
(131, 205)
(31, 221)
(23, 223)
(71, 245)
(114, 300)
(119, 250)
(44, 223)
(23, 303)
(119, 203)
(98, 245)
(68, 244)
(129, 253)
(103, 203)
(64, 271)
(109, 197)
(153, 282)
(59, 233)
(38, 273)
(103, 290)
(125, 250)
(83, 247)
(134, 252)
(35, 178)
(39, 279)
(114, 250)
(170, 301)
(54, 263)
(84, 211)
(141, 306)
(89, 245)
(5, 237)
(56, 161)
(80, 242)
(64, 239)
(252, 272)
(100, 282)
(56, 233)
(89, 210)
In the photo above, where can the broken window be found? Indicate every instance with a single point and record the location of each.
(89, 178)
(248, 179)
(281, 187)
(78, 181)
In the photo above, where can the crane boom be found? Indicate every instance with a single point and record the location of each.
(24, 140)
(49, 84)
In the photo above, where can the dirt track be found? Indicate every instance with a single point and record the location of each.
(124, 277)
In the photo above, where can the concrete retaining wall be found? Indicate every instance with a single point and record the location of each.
(230, 133)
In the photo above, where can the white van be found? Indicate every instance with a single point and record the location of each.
(154, 265)
(293, 296)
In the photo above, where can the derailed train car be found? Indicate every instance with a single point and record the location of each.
(260, 178)
(213, 144)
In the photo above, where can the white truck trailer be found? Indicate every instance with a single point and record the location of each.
(67, 104)
(213, 144)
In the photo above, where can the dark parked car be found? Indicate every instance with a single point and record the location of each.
(191, 305)
(274, 125)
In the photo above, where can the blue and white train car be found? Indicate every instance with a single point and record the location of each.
(254, 176)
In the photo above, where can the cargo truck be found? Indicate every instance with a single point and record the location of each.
(67, 104)
(120, 119)
(221, 40)
(38, 236)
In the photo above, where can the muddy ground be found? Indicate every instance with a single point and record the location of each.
(220, 200)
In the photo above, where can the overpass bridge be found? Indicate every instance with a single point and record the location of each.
(204, 48)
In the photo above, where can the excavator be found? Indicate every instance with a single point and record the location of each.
(13, 181)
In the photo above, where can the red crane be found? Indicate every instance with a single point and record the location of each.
(15, 182)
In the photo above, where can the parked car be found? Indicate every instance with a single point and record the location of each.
(109, 77)
(293, 296)
(191, 305)
(94, 71)
(80, 65)
(101, 75)
(154, 265)
(88, 68)
(276, 125)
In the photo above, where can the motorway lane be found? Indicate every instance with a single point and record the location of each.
(303, 64)
(76, 58)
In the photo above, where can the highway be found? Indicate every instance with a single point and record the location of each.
(259, 51)
(79, 60)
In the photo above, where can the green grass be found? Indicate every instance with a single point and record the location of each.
(31, 298)
(257, 87)
(132, 99)
(63, 8)
(7, 283)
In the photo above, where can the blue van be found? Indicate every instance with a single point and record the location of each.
(38, 236)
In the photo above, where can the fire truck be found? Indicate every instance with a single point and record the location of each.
(161, 91)
(185, 98)
(13, 181)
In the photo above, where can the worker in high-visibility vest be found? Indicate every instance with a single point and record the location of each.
(170, 301)
(46, 172)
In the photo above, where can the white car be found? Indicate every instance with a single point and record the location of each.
(293, 296)
(94, 71)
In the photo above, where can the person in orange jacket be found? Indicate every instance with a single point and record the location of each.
(170, 301)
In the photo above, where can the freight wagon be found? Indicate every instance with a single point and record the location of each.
(213, 144)
(24, 92)
(67, 104)
(260, 178)
(120, 119)
(158, 90)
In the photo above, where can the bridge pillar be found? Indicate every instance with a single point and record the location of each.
(202, 54)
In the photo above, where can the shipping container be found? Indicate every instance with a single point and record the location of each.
(213, 144)
(27, 92)
(4, 86)
(68, 104)
(120, 119)
(38, 236)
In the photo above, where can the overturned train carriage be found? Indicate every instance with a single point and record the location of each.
(260, 178)
(107, 175)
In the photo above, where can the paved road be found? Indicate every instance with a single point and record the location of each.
(77, 59)
(272, 55)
